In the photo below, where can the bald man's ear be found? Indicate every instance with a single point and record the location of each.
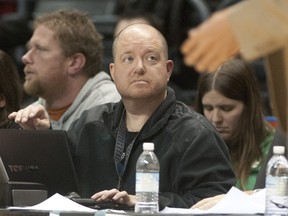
(169, 66)
(76, 63)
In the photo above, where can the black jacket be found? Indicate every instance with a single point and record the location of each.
(194, 161)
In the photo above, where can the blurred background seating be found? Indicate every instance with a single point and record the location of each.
(177, 17)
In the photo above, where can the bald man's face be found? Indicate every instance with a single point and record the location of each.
(141, 68)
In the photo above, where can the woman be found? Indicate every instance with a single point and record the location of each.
(230, 99)
(10, 91)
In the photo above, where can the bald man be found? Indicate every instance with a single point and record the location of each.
(194, 161)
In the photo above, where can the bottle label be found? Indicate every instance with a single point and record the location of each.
(276, 194)
(277, 185)
(147, 182)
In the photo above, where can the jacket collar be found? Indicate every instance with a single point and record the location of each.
(158, 119)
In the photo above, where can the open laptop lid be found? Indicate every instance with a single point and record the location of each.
(41, 156)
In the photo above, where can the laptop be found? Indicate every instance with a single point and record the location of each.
(39, 156)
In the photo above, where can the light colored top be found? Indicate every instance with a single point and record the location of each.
(97, 90)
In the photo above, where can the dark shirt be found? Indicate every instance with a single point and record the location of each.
(194, 160)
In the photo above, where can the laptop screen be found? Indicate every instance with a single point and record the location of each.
(41, 156)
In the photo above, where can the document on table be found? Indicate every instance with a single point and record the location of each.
(57, 203)
(234, 202)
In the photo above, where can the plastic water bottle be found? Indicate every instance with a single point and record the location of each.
(147, 181)
(277, 183)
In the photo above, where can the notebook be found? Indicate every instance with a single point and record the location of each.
(41, 156)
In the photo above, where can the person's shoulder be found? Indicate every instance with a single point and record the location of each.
(183, 110)
(189, 117)
(100, 109)
(94, 114)
(101, 78)
(188, 127)
(97, 90)
(101, 89)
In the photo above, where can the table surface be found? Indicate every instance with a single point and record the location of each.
(8, 212)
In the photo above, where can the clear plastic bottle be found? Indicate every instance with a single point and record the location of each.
(147, 181)
(277, 183)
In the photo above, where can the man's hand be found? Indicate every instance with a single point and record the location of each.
(114, 195)
(31, 117)
(210, 44)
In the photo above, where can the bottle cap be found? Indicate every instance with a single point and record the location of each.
(148, 146)
(278, 149)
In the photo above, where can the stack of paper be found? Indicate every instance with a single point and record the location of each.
(235, 202)
(57, 203)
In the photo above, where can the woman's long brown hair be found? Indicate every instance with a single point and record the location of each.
(236, 80)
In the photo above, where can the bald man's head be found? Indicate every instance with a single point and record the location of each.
(140, 31)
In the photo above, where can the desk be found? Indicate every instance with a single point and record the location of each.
(6, 212)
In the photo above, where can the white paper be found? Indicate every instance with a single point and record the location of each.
(57, 203)
(234, 202)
